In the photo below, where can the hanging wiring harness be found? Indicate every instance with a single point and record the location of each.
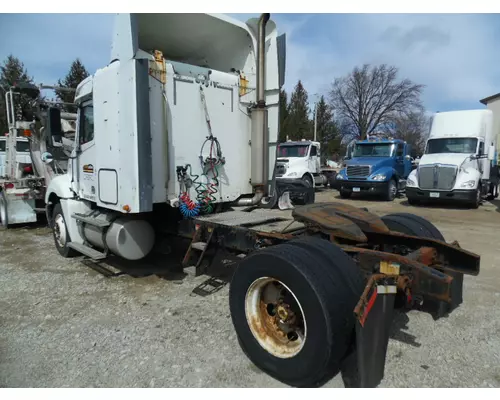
(207, 184)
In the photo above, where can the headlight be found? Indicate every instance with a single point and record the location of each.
(340, 177)
(379, 177)
(468, 184)
(292, 174)
(411, 182)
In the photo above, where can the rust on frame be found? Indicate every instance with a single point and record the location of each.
(425, 280)
(323, 217)
(424, 255)
(332, 216)
(368, 297)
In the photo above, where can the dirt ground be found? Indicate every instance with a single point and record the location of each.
(63, 324)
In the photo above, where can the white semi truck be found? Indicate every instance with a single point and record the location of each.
(177, 134)
(459, 163)
(23, 173)
(302, 160)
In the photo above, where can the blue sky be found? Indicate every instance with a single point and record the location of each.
(456, 56)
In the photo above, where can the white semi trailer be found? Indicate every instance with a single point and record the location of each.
(459, 163)
(178, 133)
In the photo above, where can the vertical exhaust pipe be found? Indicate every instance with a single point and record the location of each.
(260, 136)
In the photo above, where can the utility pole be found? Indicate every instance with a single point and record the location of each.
(315, 119)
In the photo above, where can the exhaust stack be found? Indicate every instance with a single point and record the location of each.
(260, 136)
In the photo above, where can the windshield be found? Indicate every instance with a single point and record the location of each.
(23, 146)
(373, 150)
(451, 145)
(299, 150)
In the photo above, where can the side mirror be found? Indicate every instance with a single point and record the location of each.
(408, 157)
(54, 127)
(491, 153)
(54, 121)
(47, 158)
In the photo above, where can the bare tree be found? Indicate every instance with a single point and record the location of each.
(369, 98)
(412, 128)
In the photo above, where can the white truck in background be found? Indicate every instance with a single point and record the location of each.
(302, 160)
(23, 154)
(460, 162)
(24, 173)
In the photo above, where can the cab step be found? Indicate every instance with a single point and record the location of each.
(199, 246)
(87, 251)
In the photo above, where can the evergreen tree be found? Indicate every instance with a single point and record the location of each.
(325, 126)
(298, 122)
(327, 132)
(284, 113)
(13, 72)
(76, 74)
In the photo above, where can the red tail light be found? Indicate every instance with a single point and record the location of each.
(9, 185)
(28, 169)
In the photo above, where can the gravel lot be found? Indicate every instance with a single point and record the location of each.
(62, 324)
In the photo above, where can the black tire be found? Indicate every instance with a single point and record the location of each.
(270, 201)
(4, 218)
(310, 195)
(477, 202)
(308, 180)
(63, 249)
(327, 299)
(392, 190)
(420, 226)
(327, 252)
(332, 179)
(491, 192)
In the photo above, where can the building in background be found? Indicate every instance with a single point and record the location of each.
(493, 104)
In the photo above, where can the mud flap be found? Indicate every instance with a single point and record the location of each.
(364, 366)
(296, 188)
(284, 202)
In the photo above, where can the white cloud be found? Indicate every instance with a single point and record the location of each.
(453, 55)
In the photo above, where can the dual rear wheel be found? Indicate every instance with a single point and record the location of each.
(292, 305)
(292, 308)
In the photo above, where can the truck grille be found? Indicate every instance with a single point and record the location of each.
(440, 177)
(358, 170)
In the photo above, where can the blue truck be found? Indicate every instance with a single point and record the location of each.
(375, 166)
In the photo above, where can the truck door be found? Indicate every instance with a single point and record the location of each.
(407, 160)
(399, 164)
(86, 168)
(314, 159)
(2, 156)
(482, 161)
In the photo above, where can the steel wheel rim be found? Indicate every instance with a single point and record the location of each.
(60, 230)
(392, 189)
(283, 334)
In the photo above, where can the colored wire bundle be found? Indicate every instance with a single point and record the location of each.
(188, 207)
